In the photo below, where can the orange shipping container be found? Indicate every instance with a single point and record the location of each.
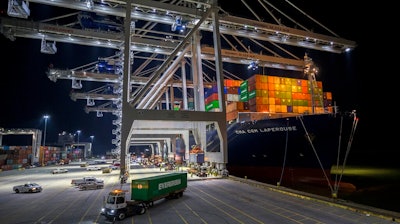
(228, 82)
(328, 95)
(240, 106)
(262, 108)
(231, 115)
(271, 86)
(271, 94)
(278, 108)
(295, 96)
(259, 100)
(270, 79)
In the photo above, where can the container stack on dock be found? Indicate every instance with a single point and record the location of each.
(270, 95)
(15, 157)
(196, 155)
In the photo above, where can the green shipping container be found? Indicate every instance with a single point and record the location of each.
(212, 105)
(252, 94)
(156, 187)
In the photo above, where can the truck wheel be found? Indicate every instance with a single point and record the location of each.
(17, 191)
(177, 195)
(141, 210)
(121, 216)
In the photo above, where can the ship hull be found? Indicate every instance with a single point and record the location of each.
(287, 151)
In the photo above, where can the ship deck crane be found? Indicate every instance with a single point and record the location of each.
(166, 13)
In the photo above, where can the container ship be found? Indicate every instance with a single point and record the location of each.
(283, 131)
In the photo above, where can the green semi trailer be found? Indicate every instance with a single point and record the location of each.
(144, 192)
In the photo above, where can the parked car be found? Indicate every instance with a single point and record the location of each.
(77, 182)
(113, 167)
(93, 168)
(27, 188)
(59, 170)
(106, 170)
(91, 186)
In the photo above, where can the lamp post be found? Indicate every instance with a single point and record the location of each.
(78, 147)
(91, 148)
(46, 117)
(45, 128)
(79, 132)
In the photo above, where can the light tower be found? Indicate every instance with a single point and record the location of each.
(78, 132)
(46, 117)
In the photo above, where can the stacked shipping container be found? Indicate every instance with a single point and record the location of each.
(270, 94)
(15, 157)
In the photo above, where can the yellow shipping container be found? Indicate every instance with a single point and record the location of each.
(319, 110)
(261, 92)
(272, 108)
(261, 85)
(271, 101)
(278, 109)
(238, 83)
(283, 108)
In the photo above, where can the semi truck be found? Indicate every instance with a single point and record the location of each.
(144, 192)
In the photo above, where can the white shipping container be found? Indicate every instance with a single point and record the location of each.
(232, 97)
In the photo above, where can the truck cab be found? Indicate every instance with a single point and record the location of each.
(118, 207)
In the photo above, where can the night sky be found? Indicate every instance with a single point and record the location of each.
(27, 94)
